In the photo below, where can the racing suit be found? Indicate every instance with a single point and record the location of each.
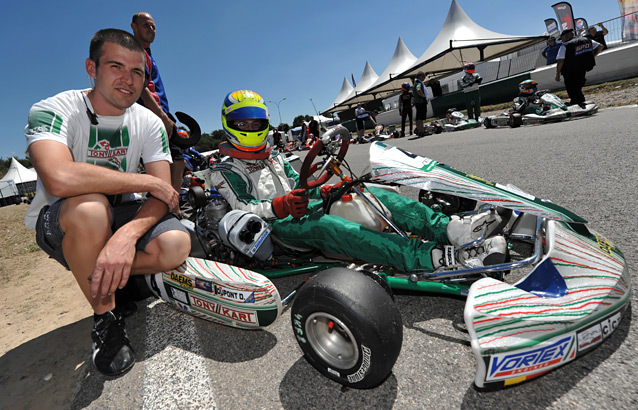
(470, 85)
(251, 185)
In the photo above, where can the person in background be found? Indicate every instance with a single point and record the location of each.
(85, 146)
(154, 94)
(469, 83)
(574, 59)
(598, 35)
(361, 115)
(405, 107)
(550, 51)
(420, 94)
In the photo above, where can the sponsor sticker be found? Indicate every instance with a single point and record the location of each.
(526, 362)
(183, 281)
(219, 309)
(595, 334)
(204, 285)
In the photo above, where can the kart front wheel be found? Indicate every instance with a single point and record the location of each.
(515, 120)
(348, 327)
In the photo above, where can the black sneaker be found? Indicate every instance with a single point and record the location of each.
(112, 351)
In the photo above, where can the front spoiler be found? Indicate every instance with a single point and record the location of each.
(524, 330)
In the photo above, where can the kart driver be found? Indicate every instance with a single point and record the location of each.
(527, 100)
(255, 179)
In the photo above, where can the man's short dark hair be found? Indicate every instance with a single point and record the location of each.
(112, 35)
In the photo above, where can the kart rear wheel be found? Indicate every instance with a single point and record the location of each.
(516, 120)
(348, 327)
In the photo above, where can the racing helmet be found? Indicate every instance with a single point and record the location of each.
(405, 86)
(527, 88)
(469, 68)
(244, 105)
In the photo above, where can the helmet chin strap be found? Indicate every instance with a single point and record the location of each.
(226, 148)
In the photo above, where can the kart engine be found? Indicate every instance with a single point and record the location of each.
(224, 235)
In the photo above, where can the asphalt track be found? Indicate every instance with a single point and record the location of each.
(586, 165)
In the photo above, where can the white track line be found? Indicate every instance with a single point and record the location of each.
(175, 375)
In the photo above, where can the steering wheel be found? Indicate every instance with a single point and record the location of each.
(308, 168)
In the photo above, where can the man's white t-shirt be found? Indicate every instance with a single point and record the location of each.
(116, 143)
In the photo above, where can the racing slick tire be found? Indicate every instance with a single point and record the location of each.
(488, 123)
(516, 120)
(348, 327)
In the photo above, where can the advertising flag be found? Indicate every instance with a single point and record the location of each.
(564, 15)
(629, 13)
(581, 26)
(552, 28)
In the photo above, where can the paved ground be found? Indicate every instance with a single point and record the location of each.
(587, 166)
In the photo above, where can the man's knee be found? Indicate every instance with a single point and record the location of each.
(90, 213)
(170, 249)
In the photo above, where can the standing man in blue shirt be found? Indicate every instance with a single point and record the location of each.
(154, 94)
(551, 50)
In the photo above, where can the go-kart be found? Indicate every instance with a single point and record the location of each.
(543, 108)
(561, 293)
(455, 121)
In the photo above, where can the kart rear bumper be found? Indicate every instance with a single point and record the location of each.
(570, 302)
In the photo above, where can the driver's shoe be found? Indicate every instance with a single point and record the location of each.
(492, 251)
(112, 351)
(466, 229)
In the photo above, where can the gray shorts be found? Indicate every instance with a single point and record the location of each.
(49, 235)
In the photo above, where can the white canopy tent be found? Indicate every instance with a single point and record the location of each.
(460, 40)
(401, 60)
(346, 89)
(24, 178)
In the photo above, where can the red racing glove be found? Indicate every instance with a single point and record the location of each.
(326, 189)
(295, 204)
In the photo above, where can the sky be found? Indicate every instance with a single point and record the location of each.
(294, 49)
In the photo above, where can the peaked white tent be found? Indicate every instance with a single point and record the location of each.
(461, 40)
(24, 178)
(368, 78)
(346, 89)
(401, 61)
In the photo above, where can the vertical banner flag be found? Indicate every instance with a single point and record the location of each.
(564, 15)
(354, 83)
(581, 26)
(629, 13)
(552, 28)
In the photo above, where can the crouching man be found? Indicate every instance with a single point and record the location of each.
(86, 146)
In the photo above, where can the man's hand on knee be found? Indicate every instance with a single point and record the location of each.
(113, 266)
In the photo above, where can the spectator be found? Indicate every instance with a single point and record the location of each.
(361, 116)
(550, 51)
(575, 58)
(405, 107)
(598, 35)
(154, 95)
(469, 83)
(313, 127)
(420, 94)
(86, 146)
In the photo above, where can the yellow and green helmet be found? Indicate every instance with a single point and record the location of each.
(244, 105)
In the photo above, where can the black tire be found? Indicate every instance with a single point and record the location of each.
(348, 327)
(516, 120)
(488, 123)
